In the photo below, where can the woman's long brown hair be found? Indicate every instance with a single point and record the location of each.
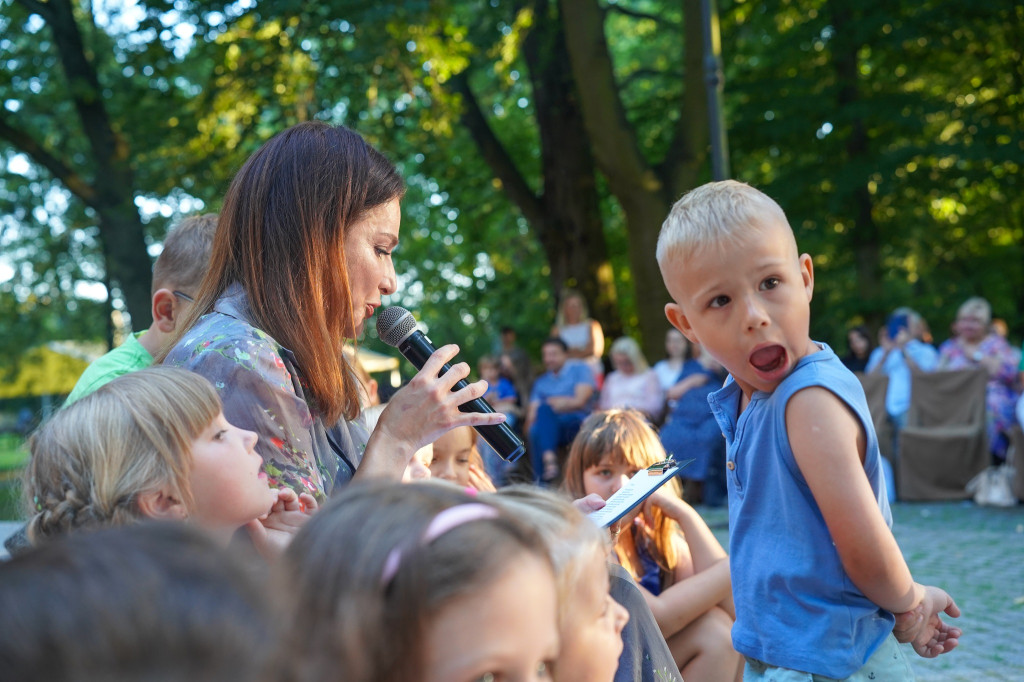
(281, 235)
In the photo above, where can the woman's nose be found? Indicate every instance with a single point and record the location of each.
(389, 284)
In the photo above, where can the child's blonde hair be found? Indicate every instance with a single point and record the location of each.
(571, 538)
(92, 459)
(186, 255)
(625, 437)
(629, 347)
(714, 214)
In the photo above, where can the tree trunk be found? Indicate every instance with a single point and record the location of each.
(645, 191)
(112, 193)
(864, 237)
(573, 229)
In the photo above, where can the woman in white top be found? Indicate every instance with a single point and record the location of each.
(581, 334)
(668, 370)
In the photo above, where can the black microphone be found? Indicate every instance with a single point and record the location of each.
(397, 327)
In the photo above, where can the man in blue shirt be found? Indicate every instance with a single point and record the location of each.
(898, 356)
(560, 400)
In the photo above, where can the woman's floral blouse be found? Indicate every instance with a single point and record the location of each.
(261, 387)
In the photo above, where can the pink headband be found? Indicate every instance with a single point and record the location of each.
(450, 518)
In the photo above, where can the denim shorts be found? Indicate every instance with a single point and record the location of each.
(887, 664)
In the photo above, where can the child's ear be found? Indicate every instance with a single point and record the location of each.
(807, 271)
(164, 310)
(677, 319)
(159, 504)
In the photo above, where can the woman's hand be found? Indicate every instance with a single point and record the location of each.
(420, 413)
(271, 533)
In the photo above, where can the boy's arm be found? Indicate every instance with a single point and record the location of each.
(828, 444)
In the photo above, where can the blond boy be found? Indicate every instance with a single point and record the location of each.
(817, 575)
(177, 273)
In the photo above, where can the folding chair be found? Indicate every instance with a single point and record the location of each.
(875, 387)
(945, 442)
(1017, 453)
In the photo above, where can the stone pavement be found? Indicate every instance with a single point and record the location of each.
(977, 555)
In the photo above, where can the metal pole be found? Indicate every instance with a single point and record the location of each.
(715, 82)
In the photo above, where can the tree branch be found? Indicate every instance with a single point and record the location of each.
(494, 153)
(30, 146)
(690, 133)
(41, 8)
(604, 115)
(637, 14)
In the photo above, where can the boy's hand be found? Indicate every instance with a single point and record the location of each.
(923, 627)
(272, 533)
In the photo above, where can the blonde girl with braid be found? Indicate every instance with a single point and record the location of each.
(154, 444)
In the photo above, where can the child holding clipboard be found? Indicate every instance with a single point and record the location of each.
(664, 544)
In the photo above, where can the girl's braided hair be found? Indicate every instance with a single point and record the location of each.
(91, 460)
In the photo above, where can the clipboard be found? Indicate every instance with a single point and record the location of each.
(638, 489)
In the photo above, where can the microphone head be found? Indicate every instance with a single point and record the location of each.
(394, 325)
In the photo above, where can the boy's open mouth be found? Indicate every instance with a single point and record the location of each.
(768, 359)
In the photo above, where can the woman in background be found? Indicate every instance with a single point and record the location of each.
(583, 335)
(974, 344)
(859, 346)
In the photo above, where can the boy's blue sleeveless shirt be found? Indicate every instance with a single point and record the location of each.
(795, 605)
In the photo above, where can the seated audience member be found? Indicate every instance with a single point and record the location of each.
(899, 353)
(974, 344)
(667, 548)
(583, 336)
(633, 383)
(690, 430)
(153, 601)
(668, 369)
(601, 638)
(177, 273)
(859, 347)
(503, 397)
(456, 459)
(154, 444)
(416, 582)
(501, 391)
(561, 399)
(515, 362)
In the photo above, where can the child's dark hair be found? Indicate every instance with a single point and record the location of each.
(365, 585)
(151, 601)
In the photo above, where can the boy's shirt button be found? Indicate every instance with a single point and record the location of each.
(730, 465)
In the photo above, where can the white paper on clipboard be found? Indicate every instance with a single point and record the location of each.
(638, 489)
